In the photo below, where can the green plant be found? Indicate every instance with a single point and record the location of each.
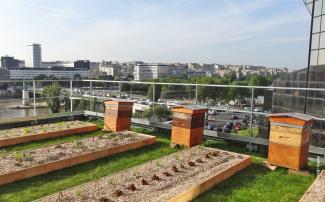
(53, 92)
(28, 157)
(19, 156)
(27, 130)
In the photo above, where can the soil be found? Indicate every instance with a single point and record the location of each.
(316, 193)
(42, 128)
(11, 162)
(150, 181)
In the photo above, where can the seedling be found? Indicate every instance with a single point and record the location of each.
(27, 130)
(155, 177)
(117, 193)
(131, 187)
(28, 157)
(174, 168)
(191, 163)
(167, 174)
(19, 156)
(144, 182)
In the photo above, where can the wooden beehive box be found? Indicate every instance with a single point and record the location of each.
(289, 140)
(118, 115)
(188, 125)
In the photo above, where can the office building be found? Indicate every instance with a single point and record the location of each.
(82, 64)
(4, 73)
(33, 56)
(58, 72)
(9, 62)
(150, 71)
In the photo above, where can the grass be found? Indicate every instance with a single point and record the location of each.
(245, 132)
(253, 184)
(37, 187)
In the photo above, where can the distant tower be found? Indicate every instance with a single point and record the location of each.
(33, 56)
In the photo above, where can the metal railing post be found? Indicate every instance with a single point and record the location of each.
(34, 97)
(153, 99)
(71, 100)
(252, 112)
(196, 94)
(119, 88)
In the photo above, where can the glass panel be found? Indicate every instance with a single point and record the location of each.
(322, 40)
(310, 8)
(321, 58)
(313, 58)
(315, 41)
(318, 7)
(316, 25)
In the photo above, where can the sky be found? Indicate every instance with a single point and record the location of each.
(272, 33)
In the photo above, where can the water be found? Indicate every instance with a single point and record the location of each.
(6, 113)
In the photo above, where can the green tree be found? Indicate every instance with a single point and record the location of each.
(53, 91)
(77, 77)
(83, 105)
(159, 111)
(158, 89)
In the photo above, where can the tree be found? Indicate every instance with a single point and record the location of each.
(157, 92)
(53, 92)
(83, 105)
(77, 77)
(40, 77)
(160, 112)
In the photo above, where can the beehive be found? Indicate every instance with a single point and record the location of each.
(118, 115)
(289, 140)
(188, 125)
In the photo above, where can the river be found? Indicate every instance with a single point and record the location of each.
(7, 113)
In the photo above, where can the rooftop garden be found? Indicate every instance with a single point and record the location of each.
(254, 183)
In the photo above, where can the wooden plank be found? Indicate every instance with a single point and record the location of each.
(291, 139)
(187, 137)
(72, 161)
(47, 135)
(289, 120)
(284, 129)
(288, 156)
(219, 177)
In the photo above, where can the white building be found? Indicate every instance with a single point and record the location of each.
(33, 56)
(31, 73)
(150, 71)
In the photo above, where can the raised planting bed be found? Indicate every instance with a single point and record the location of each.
(44, 131)
(316, 192)
(20, 165)
(181, 176)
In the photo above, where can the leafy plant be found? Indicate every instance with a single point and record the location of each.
(27, 130)
(53, 91)
(19, 156)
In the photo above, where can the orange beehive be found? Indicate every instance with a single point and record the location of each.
(118, 115)
(188, 125)
(289, 140)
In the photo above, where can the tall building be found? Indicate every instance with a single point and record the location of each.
(33, 56)
(9, 62)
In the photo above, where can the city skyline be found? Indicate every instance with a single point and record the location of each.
(227, 32)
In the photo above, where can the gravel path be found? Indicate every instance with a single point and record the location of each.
(316, 193)
(158, 180)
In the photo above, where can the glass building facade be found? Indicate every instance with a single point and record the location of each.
(311, 102)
